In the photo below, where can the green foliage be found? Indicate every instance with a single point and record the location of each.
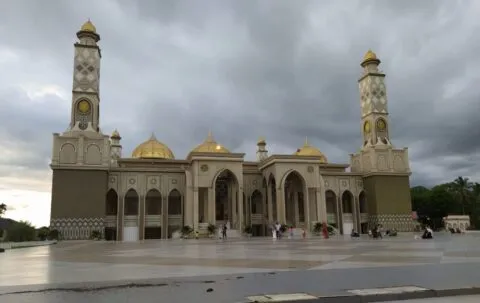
(42, 233)
(317, 228)
(20, 232)
(460, 197)
(3, 209)
(211, 229)
(95, 235)
(53, 234)
(186, 231)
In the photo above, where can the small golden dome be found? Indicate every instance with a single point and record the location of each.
(115, 134)
(308, 150)
(152, 148)
(261, 141)
(370, 55)
(88, 27)
(210, 146)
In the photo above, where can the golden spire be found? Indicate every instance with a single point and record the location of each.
(88, 27)
(306, 141)
(210, 137)
(370, 56)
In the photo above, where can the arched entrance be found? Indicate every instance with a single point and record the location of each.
(226, 196)
(111, 211)
(175, 212)
(272, 196)
(153, 215)
(257, 213)
(332, 209)
(362, 200)
(294, 192)
(130, 227)
(347, 212)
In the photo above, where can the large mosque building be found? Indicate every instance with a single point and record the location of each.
(150, 194)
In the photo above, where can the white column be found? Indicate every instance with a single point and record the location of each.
(211, 206)
(296, 213)
(321, 205)
(306, 209)
(195, 208)
(240, 223)
(270, 204)
(280, 205)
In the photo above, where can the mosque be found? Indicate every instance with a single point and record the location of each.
(150, 194)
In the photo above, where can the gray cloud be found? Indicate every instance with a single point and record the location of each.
(243, 69)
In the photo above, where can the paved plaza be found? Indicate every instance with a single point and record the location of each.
(234, 269)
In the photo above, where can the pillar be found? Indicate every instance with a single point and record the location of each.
(188, 201)
(306, 209)
(120, 216)
(141, 217)
(280, 205)
(296, 213)
(321, 205)
(165, 217)
(270, 204)
(211, 206)
(195, 208)
(240, 224)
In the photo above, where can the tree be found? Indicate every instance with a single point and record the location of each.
(462, 187)
(3, 209)
(20, 232)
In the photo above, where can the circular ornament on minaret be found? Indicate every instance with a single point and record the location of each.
(366, 127)
(204, 168)
(83, 106)
(381, 125)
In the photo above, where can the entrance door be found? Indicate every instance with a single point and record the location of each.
(347, 228)
(130, 233)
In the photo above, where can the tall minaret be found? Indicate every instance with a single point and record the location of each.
(115, 147)
(262, 152)
(86, 75)
(373, 98)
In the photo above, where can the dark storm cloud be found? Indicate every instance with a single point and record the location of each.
(281, 69)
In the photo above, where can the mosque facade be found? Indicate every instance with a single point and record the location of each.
(151, 194)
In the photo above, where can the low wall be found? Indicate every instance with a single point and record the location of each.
(11, 245)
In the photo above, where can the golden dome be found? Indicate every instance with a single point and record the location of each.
(210, 146)
(370, 55)
(152, 148)
(115, 134)
(88, 27)
(308, 150)
(261, 141)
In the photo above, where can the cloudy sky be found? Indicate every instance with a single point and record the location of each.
(280, 69)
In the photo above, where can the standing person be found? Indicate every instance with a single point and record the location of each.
(224, 231)
(277, 230)
(325, 230)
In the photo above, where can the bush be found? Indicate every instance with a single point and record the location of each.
(42, 233)
(318, 227)
(95, 235)
(283, 228)
(20, 232)
(211, 229)
(53, 234)
(186, 231)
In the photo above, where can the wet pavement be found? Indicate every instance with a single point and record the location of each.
(183, 271)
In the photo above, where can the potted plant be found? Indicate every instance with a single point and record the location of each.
(95, 235)
(317, 228)
(248, 231)
(211, 229)
(186, 231)
(283, 228)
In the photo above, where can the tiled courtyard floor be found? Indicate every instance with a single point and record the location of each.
(90, 262)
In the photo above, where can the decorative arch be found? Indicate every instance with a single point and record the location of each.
(257, 202)
(270, 179)
(331, 201)
(175, 206)
(131, 203)
(153, 202)
(93, 154)
(111, 203)
(68, 153)
(223, 171)
(294, 172)
(362, 200)
(347, 202)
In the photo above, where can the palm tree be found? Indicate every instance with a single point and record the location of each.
(3, 209)
(463, 189)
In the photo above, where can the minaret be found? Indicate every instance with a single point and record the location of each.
(373, 99)
(86, 75)
(115, 147)
(385, 169)
(262, 152)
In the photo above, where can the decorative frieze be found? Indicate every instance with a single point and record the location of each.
(77, 228)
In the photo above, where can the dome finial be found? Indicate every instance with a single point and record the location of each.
(152, 136)
(306, 141)
(210, 137)
(88, 27)
(370, 57)
(261, 141)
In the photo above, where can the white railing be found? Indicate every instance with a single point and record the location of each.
(363, 218)
(257, 218)
(332, 218)
(348, 217)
